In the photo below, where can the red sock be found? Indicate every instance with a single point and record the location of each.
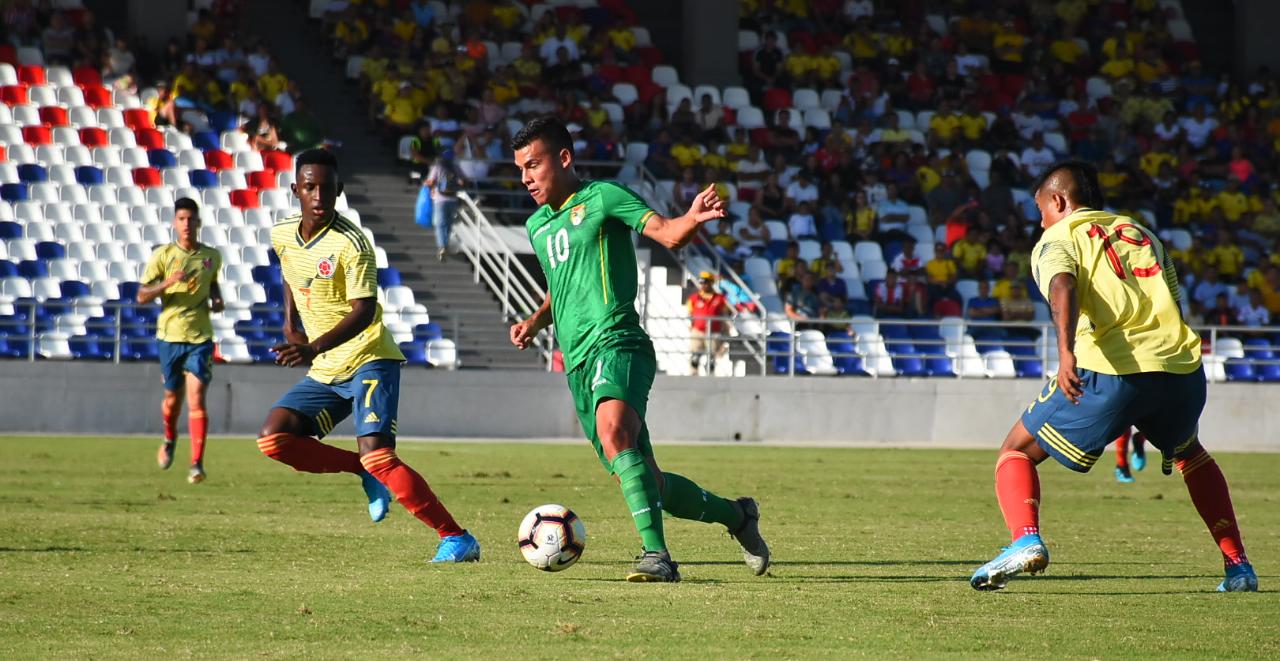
(410, 490)
(1122, 450)
(169, 417)
(1018, 490)
(308, 455)
(198, 424)
(1209, 493)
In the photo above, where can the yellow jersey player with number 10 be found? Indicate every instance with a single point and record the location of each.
(333, 323)
(1126, 357)
(184, 276)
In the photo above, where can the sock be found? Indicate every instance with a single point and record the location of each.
(1122, 450)
(1018, 490)
(411, 490)
(308, 455)
(1212, 498)
(683, 499)
(1139, 441)
(640, 490)
(169, 417)
(198, 424)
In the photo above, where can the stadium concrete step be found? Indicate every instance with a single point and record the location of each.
(380, 190)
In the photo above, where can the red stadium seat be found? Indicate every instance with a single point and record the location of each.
(138, 118)
(216, 159)
(9, 54)
(776, 98)
(84, 76)
(4, 156)
(31, 74)
(93, 136)
(276, 160)
(53, 115)
(147, 177)
(149, 138)
(37, 135)
(244, 199)
(13, 95)
(263, 179)
(96, 96)
(637, 75)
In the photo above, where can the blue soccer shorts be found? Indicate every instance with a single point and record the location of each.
(372, 393)
(179, 357)
(1166, 407)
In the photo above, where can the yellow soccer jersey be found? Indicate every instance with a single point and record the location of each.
(323, 276)
(1127, 290)
(184, 316)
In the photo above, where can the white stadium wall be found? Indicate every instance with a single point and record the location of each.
(94, 398)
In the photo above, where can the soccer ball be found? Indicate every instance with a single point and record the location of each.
(552, 537)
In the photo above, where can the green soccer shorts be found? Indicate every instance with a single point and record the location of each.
(622, 372)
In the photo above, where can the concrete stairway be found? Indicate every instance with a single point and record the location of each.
(379, 189)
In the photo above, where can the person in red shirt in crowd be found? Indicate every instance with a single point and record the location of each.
(707, 336)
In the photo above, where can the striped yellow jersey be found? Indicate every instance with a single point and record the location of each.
(324, 274)
(1127, 290)
(184, 315)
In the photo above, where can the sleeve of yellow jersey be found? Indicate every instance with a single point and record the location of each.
(360, 271)
(154, 272)
(1054, 257)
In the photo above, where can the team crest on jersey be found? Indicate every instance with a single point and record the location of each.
(325, 268)
(206, 263)
(577, 213)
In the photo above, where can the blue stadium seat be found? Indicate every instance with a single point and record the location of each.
(88, 175)
(85, 347)
(832, 232)
(205, 140)
(10, 230)
(74, 289)
(272, 258)
(32, 173)
(778, 348)
(140, 348)
(910, 366)
(776, 250)
(50, 250)
(14, 192)
(388, 277)
(8, 269)
(843, 354)
(428, 331)
(129, 291)
(267, 275)
(415, 353)
(924, 332)
(1240, 370)
(32, 269)
(203, 178)
(222, 120)
(939, 367)
(161, 158)
(275, 293)
(894, 331)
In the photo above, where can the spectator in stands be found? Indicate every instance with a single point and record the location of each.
(707, 332)
(945, 200)
(58, 41)
(1198, 127)
(1226, 257)
(1019, 307)
(445, 181)
(834, 295)
(753, 236)
(790, 267)
(119, 62)
(300, 129)
(944, 126)
(710, 119)
(402, 113)
(1221, 314)
(766, 65)
(726, 244)
(771, 199)
(1037, 157)
(1254, 312)
(984, 306)
(263, 131)
(660, 160)
(751, 170)
(803, 303)
(941, 273)
(896, 299)
(970, 253)
(1209, 287)
(907, 263)
(686, 189)
(826, 262)
(892, 215)
(802, 224)
(860, 219)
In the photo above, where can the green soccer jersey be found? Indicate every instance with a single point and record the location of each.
(586, 251)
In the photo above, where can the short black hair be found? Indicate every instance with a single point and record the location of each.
(186, 203)
(315, 156)
(1085, 177)
(547, 128)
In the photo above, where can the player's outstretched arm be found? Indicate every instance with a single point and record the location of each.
(522, 333)
(363, 311)
(676, 233)
(1066, 315)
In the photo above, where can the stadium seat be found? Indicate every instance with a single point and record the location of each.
(276, 161)
(244, 199)
(93, 136)
(216, 159)
(96, 96)
(37, 135)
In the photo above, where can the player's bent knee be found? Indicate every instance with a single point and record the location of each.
(283, 421)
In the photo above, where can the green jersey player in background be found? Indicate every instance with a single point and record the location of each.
(581, 233)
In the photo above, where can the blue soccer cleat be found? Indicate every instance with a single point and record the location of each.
(458, 548)
(1139, 459)
(1123, 476)
(1240, 578)
(379, 497)
(1026, 554)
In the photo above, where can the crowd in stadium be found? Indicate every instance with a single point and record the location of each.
(872, 113)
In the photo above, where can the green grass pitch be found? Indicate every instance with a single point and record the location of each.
(102, 555)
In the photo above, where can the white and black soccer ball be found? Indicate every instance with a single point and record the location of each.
(552, 537)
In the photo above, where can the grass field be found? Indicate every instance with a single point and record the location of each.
(102, 555)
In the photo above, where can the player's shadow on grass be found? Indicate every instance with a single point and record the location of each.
(837, 563)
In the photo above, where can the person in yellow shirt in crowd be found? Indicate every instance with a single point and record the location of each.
(1008, 45)
(1151, 67)
(1267, 282)
(786, 267)
(825, 67)
(895, 42)
(272, 83)
(1118, 68)
(929, 175)
(941, 272)
(350, 31)
(1235, 203)
(1113, 180)
(1193, 207)
(944, 126)
(1003, 289)
(686, 152)
(970, 253)
(861, 43)
(1065, 48)
(1071, 11)
(1151, 162)
(1121, 44)
(528, 69)
(1191, 260)
(973, 124)
(504, 86)
(798, 65)
(1226, 257)
(402, 113)
(1267, 220)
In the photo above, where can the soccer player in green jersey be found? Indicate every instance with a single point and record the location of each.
(581, 234)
